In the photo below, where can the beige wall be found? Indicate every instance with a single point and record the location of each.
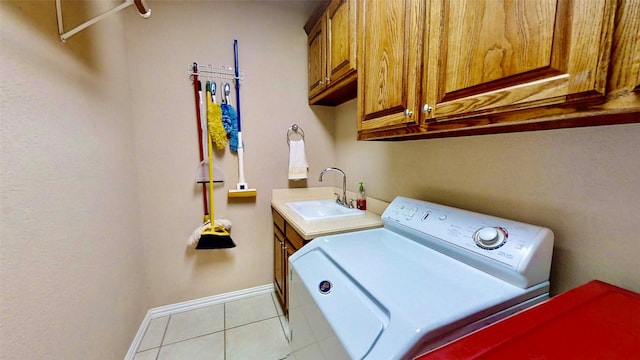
(94, 223)
(584, 184)
(99, 150)
(71, 255)
(272, 47)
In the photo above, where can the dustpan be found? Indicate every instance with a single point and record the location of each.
(202, 173)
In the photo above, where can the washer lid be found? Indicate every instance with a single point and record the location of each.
(353, 316)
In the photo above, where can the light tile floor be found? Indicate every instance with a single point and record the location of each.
(250, 328)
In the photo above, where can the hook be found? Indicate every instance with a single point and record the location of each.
(227, 91)
(214, 89)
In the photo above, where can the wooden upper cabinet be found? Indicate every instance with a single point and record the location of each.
(316, 45)
(495, 56)
(331, 41)
(436, 68)
(341, 39)
(389, 57)
(626, 48)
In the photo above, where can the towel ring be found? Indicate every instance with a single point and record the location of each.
(294, 129)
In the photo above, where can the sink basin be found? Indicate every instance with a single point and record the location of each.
(322, 209)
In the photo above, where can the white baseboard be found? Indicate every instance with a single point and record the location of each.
(192, 305)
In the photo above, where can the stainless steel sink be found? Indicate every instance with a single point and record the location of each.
(322, 209)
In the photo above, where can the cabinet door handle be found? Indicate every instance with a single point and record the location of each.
(426, 108)
(408, 113)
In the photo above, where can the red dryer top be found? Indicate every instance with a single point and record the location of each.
(594, 321)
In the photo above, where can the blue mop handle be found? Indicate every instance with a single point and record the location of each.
(237, 82)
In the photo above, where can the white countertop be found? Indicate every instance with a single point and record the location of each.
(312, 229)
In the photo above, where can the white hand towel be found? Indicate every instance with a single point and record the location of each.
(298, 166)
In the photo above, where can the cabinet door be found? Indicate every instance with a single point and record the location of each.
(317, 56)
(288, 251)
(341, 39)
(279, 265)
(488, 57)
(389, 57)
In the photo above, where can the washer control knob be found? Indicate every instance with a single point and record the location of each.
(489, 238)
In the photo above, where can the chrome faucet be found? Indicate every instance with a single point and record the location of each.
(342, 201)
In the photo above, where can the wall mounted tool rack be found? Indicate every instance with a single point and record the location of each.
(214, 72)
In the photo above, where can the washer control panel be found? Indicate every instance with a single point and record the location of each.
(469, 236)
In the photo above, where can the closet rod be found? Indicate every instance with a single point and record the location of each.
(142, 9)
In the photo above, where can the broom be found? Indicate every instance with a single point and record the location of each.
(213, 236)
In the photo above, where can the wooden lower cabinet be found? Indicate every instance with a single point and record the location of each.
(286, 241)
(279, 264)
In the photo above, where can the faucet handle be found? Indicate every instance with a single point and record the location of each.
(351, 206)
(337, 197)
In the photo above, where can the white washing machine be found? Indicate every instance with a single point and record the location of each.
(431, 275)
